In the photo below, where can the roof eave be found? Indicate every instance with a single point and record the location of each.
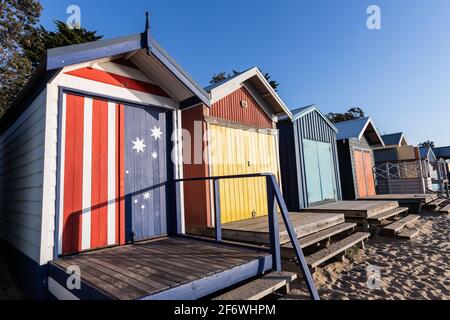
(62, 57)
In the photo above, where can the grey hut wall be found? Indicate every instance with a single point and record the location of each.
(292, 134)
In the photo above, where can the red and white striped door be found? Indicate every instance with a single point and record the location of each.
(91, 190)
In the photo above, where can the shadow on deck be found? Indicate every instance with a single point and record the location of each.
(178, 268)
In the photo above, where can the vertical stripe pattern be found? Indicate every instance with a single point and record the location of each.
(91, 196)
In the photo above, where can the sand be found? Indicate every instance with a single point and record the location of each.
(417, 269)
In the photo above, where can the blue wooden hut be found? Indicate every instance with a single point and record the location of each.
(309, 159)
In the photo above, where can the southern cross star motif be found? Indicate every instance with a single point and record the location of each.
(139, 145)
(156, 133)
(147, 196)
(154, 155)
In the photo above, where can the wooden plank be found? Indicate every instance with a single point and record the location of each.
(96, 279)
(446, 209)
(389, 214)
(426, 198)
(322, 235)
(260, 288)
(436, 203)
(144, 269)
(395, 227)
(257, 230)
(335, 249)
(356, 209)
(408, 234)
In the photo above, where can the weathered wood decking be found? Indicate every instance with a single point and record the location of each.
(257, 230)
(167, 269)
(424, 198)
(356, 209)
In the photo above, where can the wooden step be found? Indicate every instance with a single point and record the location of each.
(408, 234)
(320, 236)
(335, 249)
(395, 227)
(260, 288)
(436, 203)
(445, 209)
(389, 214)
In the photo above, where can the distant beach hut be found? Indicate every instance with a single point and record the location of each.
(356, 140)
(309, 159)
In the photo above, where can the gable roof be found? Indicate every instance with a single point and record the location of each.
(427, 153)
(258, 86)
(141, 48)
(358, 128)
(442, 152)
(301, 112)
(394, 139)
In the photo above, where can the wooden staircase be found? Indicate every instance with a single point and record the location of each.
(322, 246)
(260, 288)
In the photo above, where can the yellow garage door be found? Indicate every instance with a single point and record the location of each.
(237, 151)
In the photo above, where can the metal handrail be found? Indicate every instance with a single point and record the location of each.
(275, 200)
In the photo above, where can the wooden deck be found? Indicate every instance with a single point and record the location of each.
(404, 198)
(167, 269)
(257, 230)
(355, 209)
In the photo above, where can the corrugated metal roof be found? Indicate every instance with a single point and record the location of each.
(393, 138)
(357, 128)
(301, 112)
(442, 152)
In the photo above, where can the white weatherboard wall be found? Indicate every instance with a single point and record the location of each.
(21, 180)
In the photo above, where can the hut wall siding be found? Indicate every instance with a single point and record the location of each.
(21, 180)
(312, 127)
(229, 108)
(196, 194)
(288, 164)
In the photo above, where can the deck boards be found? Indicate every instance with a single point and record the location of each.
(389, 214)
(322, 235)
(424, 198)
(335, 249)
(395, 227)
(259, 288)
(140, 270)
(257, 230)
(356, 209)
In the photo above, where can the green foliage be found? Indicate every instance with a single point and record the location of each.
(428, 144)
(18, 20)
(222, 76)
(23, 44)
(351, 114)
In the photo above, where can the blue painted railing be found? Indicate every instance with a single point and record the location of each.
(275, 200)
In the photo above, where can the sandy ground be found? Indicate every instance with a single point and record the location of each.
(8, 289)
(410, 270)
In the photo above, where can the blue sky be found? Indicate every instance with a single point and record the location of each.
(320, 51)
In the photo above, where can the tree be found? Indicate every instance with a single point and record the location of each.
(18, 20)
(427, 144)
(28, 51)
(222, 76)
(63, 36)
(351, 114)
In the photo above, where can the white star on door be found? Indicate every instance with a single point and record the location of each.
(156, 133)
(147, 196)
(139, 145)
(154, 155)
